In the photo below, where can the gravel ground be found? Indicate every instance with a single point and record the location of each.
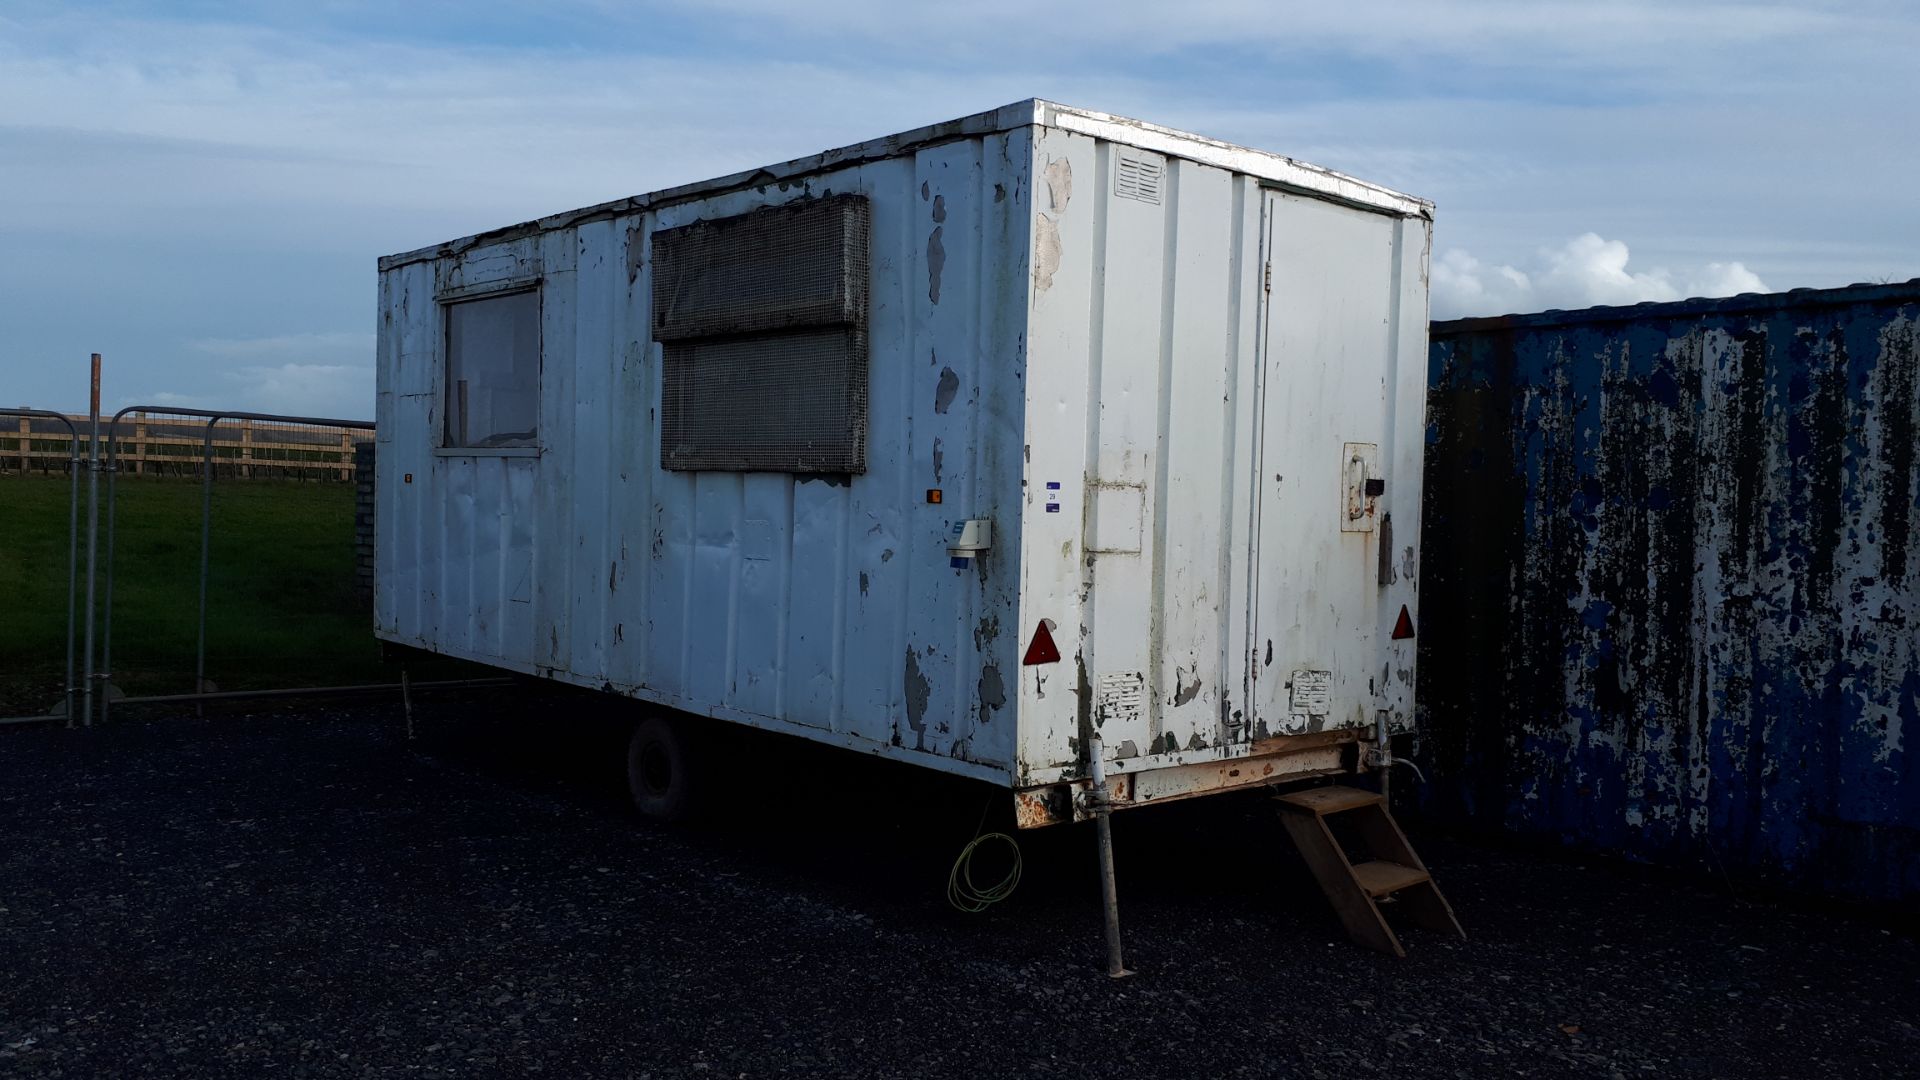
(302, 892)
(30, 695)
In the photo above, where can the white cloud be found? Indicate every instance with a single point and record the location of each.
(327, 375)
(328, 391)
(1614, 35)
(1726, 279)
(1592, 270)
(315, 374)
(1586, 271)
(339, 346)
(187, 193)
(1463, 285)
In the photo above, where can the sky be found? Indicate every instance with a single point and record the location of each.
(200, 190)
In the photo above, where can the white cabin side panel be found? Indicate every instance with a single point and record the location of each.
(454, 545)
(820, 606)
(1189, 437)
(1406, 457)
(1141, 389)
(1342, 436)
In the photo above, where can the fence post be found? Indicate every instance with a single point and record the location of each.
(246, 449)
(140, 443)
(93, 533)
(72, 697)
(347, 462)
(206, 541)
(26, 442)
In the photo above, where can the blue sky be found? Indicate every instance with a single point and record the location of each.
(199, 190)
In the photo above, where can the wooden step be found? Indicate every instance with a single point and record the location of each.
(1390, 868)
(1380, 877)
(1322, 801)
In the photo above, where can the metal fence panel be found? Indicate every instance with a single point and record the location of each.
(34, 421)
(267, 607)
(264, 585)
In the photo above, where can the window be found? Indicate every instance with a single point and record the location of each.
(493, 370)
(763, 322)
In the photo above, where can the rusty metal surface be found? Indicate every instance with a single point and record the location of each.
(1270, 761)
(1672, 594)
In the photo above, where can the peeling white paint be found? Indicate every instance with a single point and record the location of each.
(1059, 185)
(1703, 517)
(1046, 252)
(1024, 357)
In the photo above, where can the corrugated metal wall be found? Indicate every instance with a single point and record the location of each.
(1671, 599)
(820, 605)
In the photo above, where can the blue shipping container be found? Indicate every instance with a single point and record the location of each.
(1671, 596)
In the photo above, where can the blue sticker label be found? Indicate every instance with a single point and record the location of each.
(1053, 485)
(1053, 508)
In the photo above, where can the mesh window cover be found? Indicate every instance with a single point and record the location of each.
(725, 411)
(763, 319)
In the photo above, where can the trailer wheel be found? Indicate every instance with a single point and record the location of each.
(660, 769)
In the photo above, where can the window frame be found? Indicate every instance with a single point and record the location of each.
(446, 300)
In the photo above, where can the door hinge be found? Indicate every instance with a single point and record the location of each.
(1266, 278)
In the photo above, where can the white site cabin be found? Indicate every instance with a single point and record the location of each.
(955, 447)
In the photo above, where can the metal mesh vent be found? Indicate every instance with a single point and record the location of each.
(802, 264)
(1138, 177)
(792, 401)
(763, 322)
(1119, 697)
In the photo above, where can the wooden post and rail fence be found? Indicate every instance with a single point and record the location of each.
(154, 444)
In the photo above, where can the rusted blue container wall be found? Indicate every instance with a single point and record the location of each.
(1671, 596)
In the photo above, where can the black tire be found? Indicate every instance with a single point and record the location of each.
(660, 770)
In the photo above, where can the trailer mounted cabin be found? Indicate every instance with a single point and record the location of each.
(961, 447)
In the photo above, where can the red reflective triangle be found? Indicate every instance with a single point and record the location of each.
(1404, 627)
(1041, 650)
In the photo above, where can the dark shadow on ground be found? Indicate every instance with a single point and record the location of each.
(301, 890)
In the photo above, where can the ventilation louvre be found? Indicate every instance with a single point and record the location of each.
(1139, 177)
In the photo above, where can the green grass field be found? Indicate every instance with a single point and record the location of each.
(282, 610)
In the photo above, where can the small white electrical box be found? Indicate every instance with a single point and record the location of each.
(970, 537)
